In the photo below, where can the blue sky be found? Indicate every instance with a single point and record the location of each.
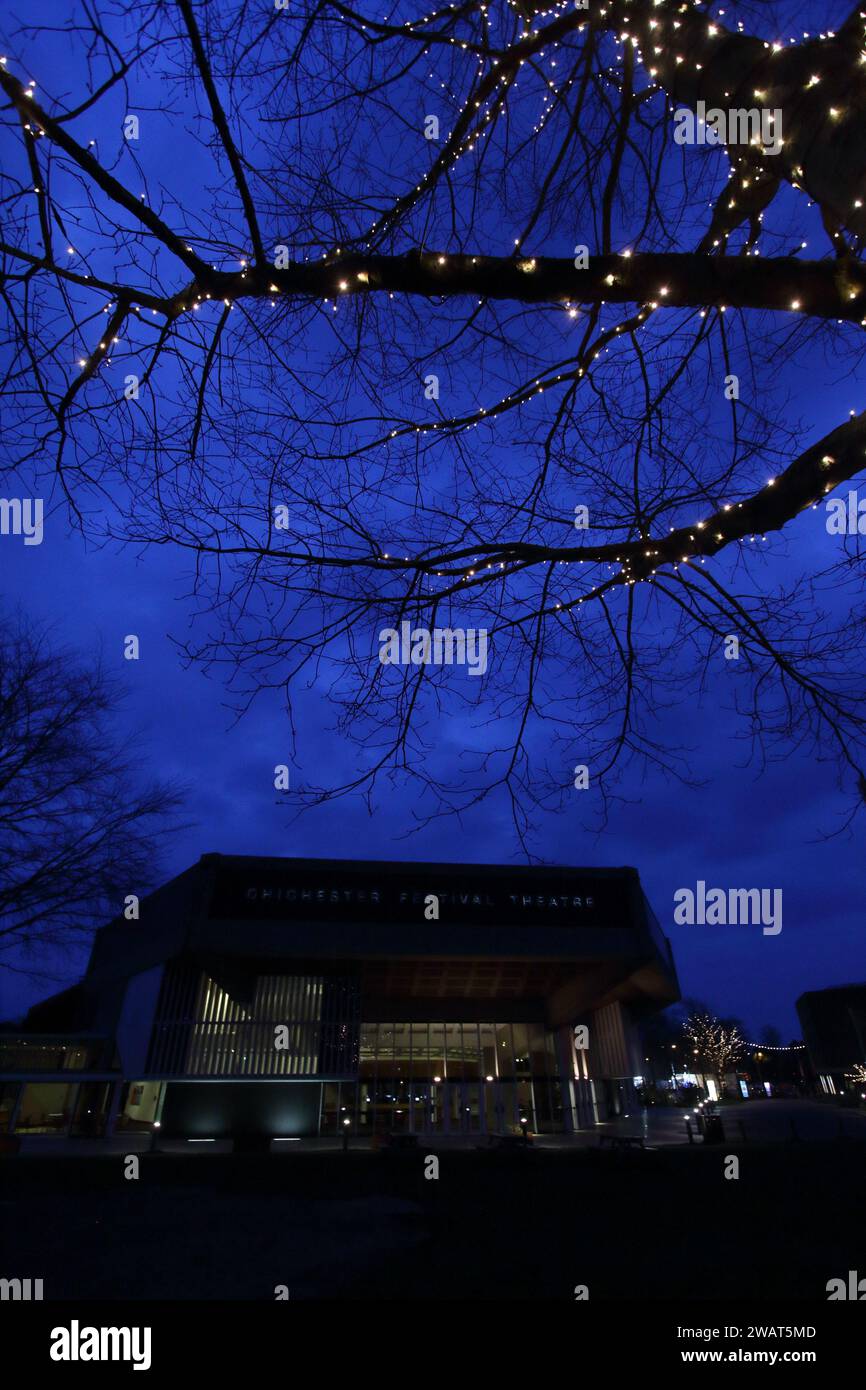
(737, 829)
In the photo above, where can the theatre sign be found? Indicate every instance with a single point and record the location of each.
(400, 896)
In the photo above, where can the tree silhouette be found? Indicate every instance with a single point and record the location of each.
(410, 299)
(79, 829)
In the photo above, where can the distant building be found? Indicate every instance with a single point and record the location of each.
(834, 1031)
(299, 997)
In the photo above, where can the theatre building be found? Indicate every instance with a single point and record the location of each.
(285, 997)
(834, 1031)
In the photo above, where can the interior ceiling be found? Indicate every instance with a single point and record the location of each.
(467, 978)
(453, 978)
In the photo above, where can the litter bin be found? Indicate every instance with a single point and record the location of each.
(713, 1129)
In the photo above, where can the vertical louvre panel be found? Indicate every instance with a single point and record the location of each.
(174, 1011)
(200, 1029)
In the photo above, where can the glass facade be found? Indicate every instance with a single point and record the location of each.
(456, 1051)
(439, 1077)
(8, 1096)
(447, 1107)
(46, 1108)
(43, 1053)
(448, 1078)
(140, 1105)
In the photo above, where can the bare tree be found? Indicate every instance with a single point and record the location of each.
(78, 829)
(435, 322)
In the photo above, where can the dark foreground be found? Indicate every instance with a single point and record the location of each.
(655, 1225)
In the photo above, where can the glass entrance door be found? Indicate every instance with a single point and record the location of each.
(461, 1108)
(473, 1112)
(464, 1108)
(432, 1107)
(447, 1107)
(88, 1120)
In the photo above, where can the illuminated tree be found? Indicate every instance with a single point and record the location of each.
(719, 1045)
(409, 301)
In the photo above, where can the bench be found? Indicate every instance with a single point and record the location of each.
(622, 1141)
(506, 1141)
(394, 1143)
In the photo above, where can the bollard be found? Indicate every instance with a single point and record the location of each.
(689, 1131)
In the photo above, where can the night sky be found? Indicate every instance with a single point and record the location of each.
(738, 828)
